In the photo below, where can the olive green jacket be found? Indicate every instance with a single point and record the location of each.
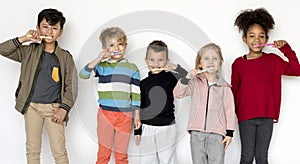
(30, 58)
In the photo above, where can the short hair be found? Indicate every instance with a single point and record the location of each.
(205, 48)
(157, 46)
(112, 32)
(250, 17)
(52, 16)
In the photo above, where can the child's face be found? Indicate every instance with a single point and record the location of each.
(116, 47)
(53, 31)
(255, 35)
(210, 58)
(156, 60)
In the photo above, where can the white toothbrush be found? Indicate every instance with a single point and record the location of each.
(205, 70)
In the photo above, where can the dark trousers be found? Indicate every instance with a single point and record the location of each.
(255, 137)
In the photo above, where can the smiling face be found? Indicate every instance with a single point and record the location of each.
(54, 31)
(255, 35)
(210, 59)
(116, 47)
(156, 60)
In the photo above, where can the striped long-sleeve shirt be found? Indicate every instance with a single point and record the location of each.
(118, 85)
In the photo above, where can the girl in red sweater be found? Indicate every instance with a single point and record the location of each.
(256, 83)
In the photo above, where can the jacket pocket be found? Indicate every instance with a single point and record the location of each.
(55, 74)
(18, 89)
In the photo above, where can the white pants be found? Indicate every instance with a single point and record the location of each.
(158, 144)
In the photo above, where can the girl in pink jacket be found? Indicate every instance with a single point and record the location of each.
(212, 115)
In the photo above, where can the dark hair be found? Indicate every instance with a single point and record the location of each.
(52, 16)
(157, 46)
(250, 17)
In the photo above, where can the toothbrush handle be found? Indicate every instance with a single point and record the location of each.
(269, 44)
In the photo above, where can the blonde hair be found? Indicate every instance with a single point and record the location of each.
(205, 48)
(112, 32)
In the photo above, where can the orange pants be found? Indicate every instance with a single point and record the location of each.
(114, 128)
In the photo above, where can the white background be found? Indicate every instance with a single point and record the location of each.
(215, 18)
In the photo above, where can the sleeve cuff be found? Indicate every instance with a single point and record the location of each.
(88, 69)
(138, 131)
(184, 81)
(229, 133)
(17, 42)
(65, 107)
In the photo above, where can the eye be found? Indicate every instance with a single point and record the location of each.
(262, 36)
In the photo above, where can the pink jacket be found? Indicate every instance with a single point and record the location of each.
(212, 108)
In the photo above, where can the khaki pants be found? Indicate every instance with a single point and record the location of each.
(35, 117)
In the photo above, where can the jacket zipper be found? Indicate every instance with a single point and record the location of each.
(26, 105)
(206, 110)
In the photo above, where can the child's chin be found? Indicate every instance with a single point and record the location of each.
(155, 72)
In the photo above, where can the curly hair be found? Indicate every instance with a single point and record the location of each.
(250, 17)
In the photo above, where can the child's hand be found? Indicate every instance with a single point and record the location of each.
(137, 139)
(279, 43)
(227, 140)
(170, 66)
(192, 74)
(105, 55)
(59, 115)
(31, 35)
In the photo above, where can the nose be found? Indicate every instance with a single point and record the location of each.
(155, 63)
(210, 61)
(117, 47)
(50, 30)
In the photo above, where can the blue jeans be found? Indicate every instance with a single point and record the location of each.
(255, 137)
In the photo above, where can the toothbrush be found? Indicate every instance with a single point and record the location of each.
(205, 70)
(159, 69)
(115, 53)
(267, 44)
(42, 37)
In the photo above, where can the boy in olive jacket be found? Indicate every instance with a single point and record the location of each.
(47, 86)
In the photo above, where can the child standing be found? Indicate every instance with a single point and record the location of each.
(212, 116)
(47, 85)
(119, 95)
(256, 84)
(157, 107)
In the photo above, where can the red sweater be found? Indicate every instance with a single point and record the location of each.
(256, 83)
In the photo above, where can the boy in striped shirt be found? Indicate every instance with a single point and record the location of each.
(119, 95)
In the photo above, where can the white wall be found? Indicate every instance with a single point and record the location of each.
(214, 22)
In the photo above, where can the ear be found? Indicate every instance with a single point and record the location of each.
(37, 28)
(61, 32)
(244, 39)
